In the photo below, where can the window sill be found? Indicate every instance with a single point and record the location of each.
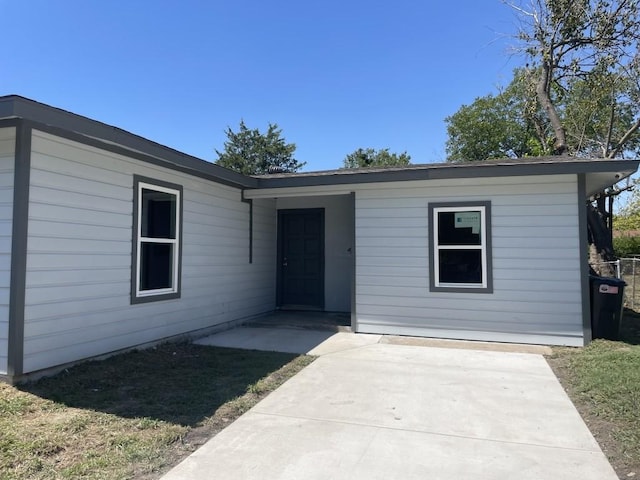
(461, 289)
(154, 298)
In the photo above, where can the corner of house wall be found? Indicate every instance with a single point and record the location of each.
(583, 241)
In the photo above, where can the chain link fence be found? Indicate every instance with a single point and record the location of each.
(628, 269)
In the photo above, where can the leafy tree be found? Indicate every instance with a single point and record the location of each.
(628, 216)
(599, 117)
(627, 222)
(591, 47)
(369, 157)
(253, 153)
(626, 246)
(498, 126)
(513, 124)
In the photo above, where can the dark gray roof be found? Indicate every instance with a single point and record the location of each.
(434, 166)
(58, 121)
(489, 168)
(77, 127)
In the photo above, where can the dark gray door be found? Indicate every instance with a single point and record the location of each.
(301, 258)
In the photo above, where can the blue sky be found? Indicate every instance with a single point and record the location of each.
(334, 75)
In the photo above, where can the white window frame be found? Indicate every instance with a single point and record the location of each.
(486, 286)
(173, 291)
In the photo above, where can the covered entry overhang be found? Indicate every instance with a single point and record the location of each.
(400, 300)
(315, 257)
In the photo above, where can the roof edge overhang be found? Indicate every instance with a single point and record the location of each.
(544, 166)
(58, 121)
(600, 173)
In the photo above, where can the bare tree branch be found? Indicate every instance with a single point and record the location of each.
(628, 134)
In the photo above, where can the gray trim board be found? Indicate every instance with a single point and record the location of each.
(250, 203)
(19, 235)
(583, 236)
(82, 129)
(195, 169)
(488, 248)
(354, 283)
(134, 239)
(7, 108)
(559, 166)
(85, 130)
(8, 122)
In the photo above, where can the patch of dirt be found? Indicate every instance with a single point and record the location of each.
(604, 431)
(195, 438)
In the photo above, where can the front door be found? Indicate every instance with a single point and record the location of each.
(301, 258)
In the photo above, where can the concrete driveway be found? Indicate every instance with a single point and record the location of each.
(371, 409)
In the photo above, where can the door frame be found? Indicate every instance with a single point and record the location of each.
(280, 253)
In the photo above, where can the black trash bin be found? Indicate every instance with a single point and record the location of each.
(606, 307)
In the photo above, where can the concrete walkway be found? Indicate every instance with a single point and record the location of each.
(372, 409)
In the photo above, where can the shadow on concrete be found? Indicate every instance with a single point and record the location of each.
(328, 321)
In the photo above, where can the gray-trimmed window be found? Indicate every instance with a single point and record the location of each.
(157, 234)
(460, 247)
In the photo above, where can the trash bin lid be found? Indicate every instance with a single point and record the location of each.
(612, 281)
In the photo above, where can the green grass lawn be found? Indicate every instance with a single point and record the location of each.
(603, 381)
(132, 415)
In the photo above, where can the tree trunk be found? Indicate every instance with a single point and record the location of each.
(542, 91)
(601, 245)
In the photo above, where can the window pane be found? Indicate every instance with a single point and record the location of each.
(459, 228)
(156, 266)
(460, 266)
(158, 214)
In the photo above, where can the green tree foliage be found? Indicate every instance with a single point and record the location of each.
(599, 115)
(369, 157)
(626, 222)
(512, 123)
(628, 216)
(583, 58)
(253, 153)
(497, 126)
(588, 50)
(626, 246)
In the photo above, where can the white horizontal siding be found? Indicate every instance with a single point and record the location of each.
(535, 252)
(79, 256)
(7, 162)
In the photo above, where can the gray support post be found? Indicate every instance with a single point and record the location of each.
(22, 171)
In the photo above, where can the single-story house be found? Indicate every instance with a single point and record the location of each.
(110, 241)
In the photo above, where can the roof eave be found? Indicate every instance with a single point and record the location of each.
(39, 114)
(62, 122)
(625, 167)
